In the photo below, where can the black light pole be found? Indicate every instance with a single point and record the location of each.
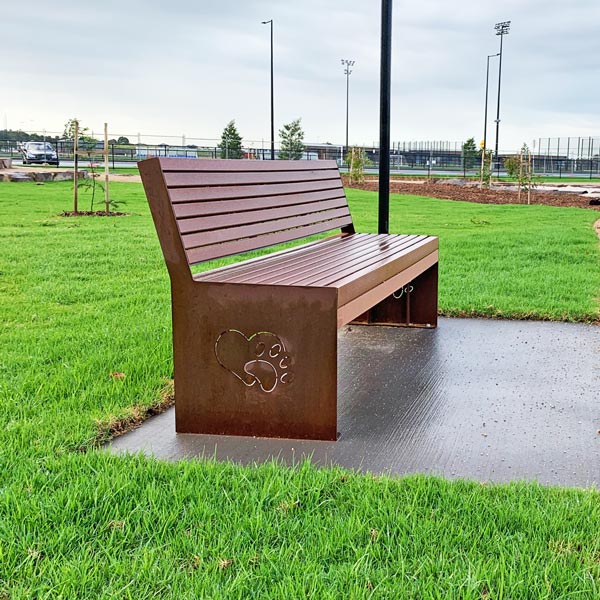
(272, 101)
(487, 82)
(501, 30)
(347, 71)
(384, 116)
(485, 116)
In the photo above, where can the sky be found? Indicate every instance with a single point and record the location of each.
(188, 67)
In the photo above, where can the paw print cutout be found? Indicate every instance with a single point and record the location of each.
(260, 359)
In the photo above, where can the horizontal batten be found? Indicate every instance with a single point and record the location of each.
(188, 179)
(257, 216)
(217, 236)
(232, 165)
(197, 255)
(213, 207)
(280, 266)
(348, 261)
(197, 194)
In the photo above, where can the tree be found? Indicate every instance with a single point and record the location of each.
(512, 165)
(469, 154)
(84, 142)
(231, 142)
(292, 141)
(123, 140)
(356, 160)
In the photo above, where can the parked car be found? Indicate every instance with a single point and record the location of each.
(39, 152)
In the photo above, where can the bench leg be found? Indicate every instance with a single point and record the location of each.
(256, 361)
(414, 305)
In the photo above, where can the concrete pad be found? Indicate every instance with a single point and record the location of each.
(478, 399)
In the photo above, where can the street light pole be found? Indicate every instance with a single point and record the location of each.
(485, 116)
(347, 71)
(272, 97)
(487, 82)
(501, 30)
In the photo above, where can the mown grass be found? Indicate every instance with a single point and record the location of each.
(83, 299)
(508, 261)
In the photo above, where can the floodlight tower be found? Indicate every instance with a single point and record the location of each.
(347, 64)
(501, 30)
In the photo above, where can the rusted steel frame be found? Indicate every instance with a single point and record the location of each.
(228, 388)
(164, 221)
(359, 305)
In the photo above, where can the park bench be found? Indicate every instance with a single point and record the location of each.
(255, 342)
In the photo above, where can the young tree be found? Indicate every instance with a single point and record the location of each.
(85, 141)
(292, 141)
(469, 155)
(356, 160)
(231, 142)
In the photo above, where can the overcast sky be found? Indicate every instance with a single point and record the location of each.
(190, 66)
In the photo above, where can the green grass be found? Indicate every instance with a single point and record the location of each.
(504, 261)
(83, 298)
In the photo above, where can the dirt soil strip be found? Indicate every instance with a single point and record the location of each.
(470, 193)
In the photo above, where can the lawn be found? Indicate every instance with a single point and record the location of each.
(85, 342)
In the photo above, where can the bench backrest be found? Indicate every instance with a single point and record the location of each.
(225, 207)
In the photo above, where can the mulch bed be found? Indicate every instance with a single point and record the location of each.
(470, 193)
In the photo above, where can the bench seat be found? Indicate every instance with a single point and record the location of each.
(354, 265)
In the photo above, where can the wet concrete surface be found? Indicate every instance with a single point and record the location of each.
(478, 399)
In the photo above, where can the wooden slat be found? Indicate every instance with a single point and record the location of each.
(244, 165)
(280, 266)
(345, 261)
(256, 216)
(179, 179)
(198, 255)
(213, 207)
(288, 273)
(218, 236)
(250, 191)
(393, 245)
(222, 273)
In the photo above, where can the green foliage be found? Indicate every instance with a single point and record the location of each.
(356, 160)
(122, 140)
(512, 164)
(486, 169)
(20, 136)
(85, 142)
(231, 142)
(292, 141)
(469, 154)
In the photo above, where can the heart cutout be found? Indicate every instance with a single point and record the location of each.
(259, 359)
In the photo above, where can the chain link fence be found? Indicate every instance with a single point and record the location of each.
(568, 157)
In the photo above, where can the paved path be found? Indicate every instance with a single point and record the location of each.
(479, 399)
